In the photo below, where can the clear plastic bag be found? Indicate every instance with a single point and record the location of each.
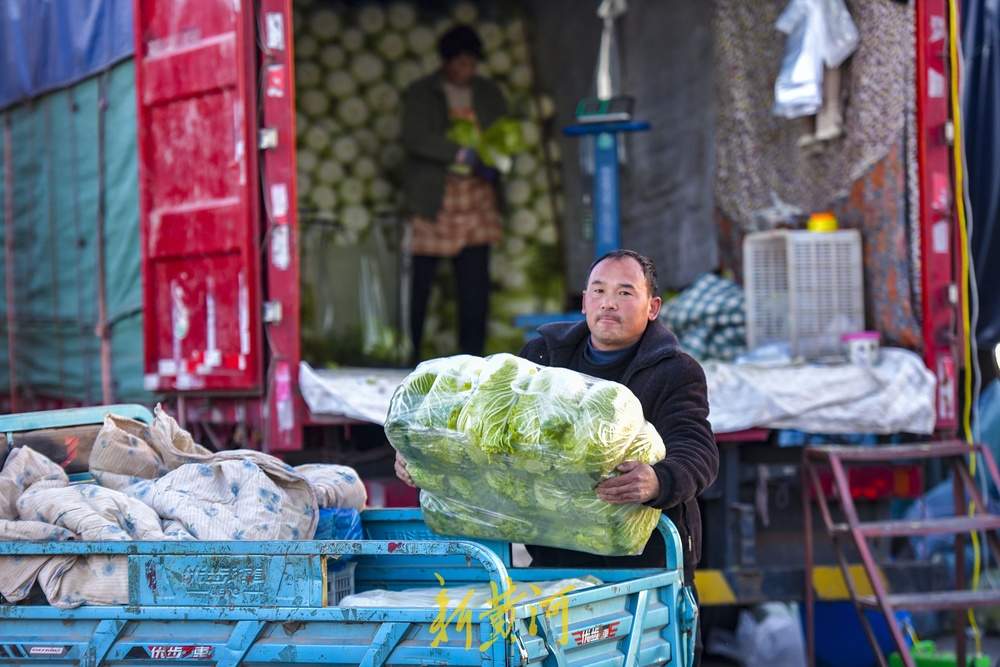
(769, 635)
(840, 35)
(378, 339)
(505, 449)
(820, 33)
(352, 313)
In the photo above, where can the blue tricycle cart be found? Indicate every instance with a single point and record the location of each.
(275, 603)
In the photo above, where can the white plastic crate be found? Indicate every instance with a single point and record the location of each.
(803, 288)
(340, 581)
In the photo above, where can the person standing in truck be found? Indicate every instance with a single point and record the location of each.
(452, 199)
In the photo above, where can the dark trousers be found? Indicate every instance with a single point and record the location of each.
(472, 285)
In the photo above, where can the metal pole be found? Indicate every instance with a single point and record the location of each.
(103, 330)
(607, 229)
(840, 478)
(8, 246)
(959, 615)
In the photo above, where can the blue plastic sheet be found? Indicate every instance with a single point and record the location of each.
(986, 429)
(338, 524)
(49, 44)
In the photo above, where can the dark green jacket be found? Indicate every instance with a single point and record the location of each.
(428, 152)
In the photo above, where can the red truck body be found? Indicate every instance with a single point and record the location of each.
(220, 244)
(217, 197)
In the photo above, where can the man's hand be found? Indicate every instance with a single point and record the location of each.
(401, 472)
(638, 483)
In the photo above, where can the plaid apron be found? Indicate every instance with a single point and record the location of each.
(469, 216)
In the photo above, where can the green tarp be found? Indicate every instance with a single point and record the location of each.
(54, 175)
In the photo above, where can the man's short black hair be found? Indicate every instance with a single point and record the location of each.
(648, 268)
(458, 41)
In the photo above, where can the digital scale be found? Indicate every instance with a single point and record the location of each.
(602, 121)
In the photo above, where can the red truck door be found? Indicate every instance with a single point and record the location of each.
(198, 195)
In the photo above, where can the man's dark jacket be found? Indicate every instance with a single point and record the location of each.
(429, 152)
(671, 387)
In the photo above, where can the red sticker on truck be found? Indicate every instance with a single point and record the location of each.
(275, 81)
(596, 633)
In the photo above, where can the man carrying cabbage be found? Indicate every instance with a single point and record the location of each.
(550, 448)
(623, 341)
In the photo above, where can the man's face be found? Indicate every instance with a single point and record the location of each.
(618, 304)
(461, 69)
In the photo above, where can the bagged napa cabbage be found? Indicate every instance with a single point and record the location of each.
(502, 448)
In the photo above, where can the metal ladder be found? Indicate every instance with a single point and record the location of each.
(836, 459)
